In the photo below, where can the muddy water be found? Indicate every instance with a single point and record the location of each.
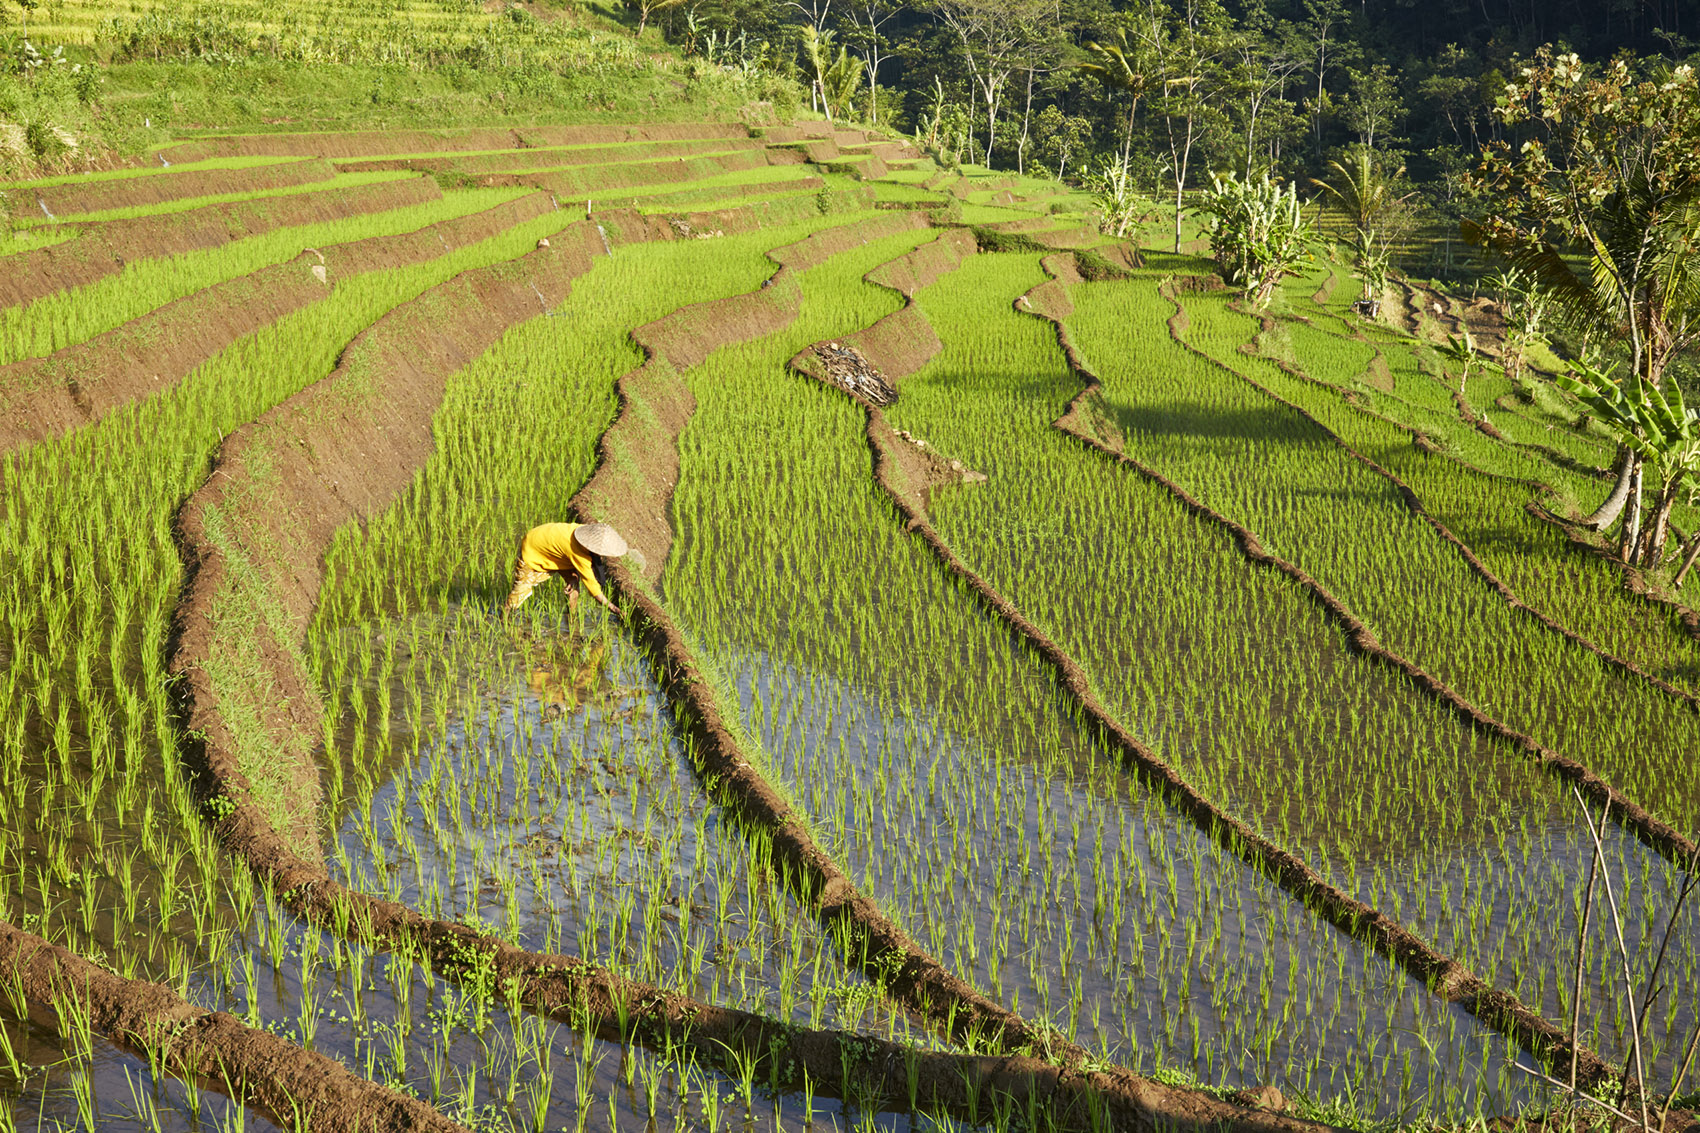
(603, 766)
(1023, 857)
(558, 806)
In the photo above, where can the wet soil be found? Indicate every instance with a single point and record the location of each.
(213, 1048)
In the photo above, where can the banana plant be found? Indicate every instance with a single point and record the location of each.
(1655, 423)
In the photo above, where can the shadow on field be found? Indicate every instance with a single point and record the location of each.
(1191, 419)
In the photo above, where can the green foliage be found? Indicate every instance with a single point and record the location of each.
(1120, 207)
(1258, 232)
(1656, 424)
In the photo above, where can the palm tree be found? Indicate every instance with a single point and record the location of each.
(1366, 196)
(1119, 67)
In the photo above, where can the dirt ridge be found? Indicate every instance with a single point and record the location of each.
(1444, 975)
(102, 249)
(369, 143)
(77, 197)
(591, 179)
(42, 398)
(546, 158)
(254, 1066)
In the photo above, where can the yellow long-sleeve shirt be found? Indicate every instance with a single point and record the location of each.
(551, 547)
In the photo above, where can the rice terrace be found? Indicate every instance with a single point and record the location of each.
(849, 564)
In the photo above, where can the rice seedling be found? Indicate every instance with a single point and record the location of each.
(1388, 828)
(837, 698)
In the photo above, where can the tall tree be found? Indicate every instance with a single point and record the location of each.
(866, 33)
(998, 38)
(1373, 105)
(1259, 66)
(1609, 166)
(1324, 33)
(1121, 66)
(1185, 43)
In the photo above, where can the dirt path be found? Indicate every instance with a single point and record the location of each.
(214, 1049)
(103, 248)
(42, 398)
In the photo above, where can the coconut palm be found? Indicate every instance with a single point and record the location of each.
(1373, 208)
(1119, 67)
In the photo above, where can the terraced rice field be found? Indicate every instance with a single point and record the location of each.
(1049, 694)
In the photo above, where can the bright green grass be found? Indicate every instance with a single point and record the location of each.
(67, 317)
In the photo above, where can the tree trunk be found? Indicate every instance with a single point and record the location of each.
(1180, 186)
(1026, 120)
(1688, 562)
(1632, 520)
(1652, 551)
(1606, 514)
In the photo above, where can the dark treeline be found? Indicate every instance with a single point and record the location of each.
(1231, 85)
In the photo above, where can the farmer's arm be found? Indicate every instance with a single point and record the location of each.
(587, 578)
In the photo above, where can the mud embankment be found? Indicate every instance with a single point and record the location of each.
(374, 143)
(78, 197)
(41, 398)
(102, 249)
(214, 1048)
(628, 224)
(253, 538)
(1439, 972)
(593, 179)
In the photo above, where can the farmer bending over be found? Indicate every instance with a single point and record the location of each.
(578, 552)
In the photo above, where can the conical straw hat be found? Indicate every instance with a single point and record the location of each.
(600, 539)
